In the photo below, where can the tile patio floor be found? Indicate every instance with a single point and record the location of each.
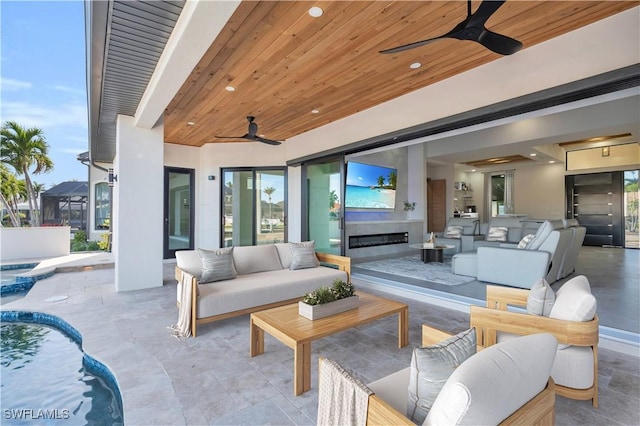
(212, 380)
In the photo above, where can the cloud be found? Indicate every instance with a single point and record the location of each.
(9, 85)
(72, 90)
(46, 117)
(74, 151)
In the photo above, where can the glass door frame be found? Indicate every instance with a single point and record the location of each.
(304, 232)
(167, 252)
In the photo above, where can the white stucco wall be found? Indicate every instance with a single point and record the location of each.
(34, 243)
(138, 206)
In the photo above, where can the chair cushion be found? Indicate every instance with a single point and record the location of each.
(453, 231)
(491, 385)
(217, 265)
(574, 367)
(543, 232)
(189, 261)
(541, 298)
(574, 301)
(497, 233)
(303, 255)
(431, 366)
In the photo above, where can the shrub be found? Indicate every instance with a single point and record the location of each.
(339, 290)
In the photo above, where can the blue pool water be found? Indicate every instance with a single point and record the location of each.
(48, 379)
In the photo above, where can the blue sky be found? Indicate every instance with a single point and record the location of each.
(43, 81)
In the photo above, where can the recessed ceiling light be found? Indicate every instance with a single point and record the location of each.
(316, 12)
(315, 111)
(473, 170)
(190, 123)
(230, 89)
(415, 65)
(533, 154)
(551, 161)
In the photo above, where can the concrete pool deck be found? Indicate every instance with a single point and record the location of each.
(212, 380)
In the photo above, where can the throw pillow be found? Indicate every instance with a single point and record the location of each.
(541, 298)
(524, 242)
(453, 231)
(431, 366)
(303, 255)
(217, 265)
(574, 301)
(497, 233)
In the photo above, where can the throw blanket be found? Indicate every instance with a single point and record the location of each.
(183, 328)
(342, 399)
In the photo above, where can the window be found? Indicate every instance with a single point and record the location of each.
(102, 206)
(500, 193)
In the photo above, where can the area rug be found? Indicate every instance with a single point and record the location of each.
(413, 267)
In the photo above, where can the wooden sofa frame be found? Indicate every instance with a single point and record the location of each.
(540, 410)
(495, 317)
(343, 263)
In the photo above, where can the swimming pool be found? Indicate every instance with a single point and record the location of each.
(46, 377)
(11, 283)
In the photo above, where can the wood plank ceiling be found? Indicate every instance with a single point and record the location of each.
(283, 63)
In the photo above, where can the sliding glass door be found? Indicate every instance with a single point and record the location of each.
(324, 217)
(630, 205)
(254, 206)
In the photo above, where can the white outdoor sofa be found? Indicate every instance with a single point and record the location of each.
(264, 280)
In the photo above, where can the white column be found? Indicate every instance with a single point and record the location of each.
(138, 206)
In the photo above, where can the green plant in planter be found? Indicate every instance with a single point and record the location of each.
(339, 290)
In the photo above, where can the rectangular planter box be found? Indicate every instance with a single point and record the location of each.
(313, 312)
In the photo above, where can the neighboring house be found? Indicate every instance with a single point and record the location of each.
(65, 204)
(168, 196)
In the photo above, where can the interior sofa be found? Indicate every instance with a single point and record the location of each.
(551, 254)
(266, 276)
(502, 384)
(456, 232)
(505, 230)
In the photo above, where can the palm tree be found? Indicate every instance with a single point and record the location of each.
(23, 149)
(269, 190)
(9, 193)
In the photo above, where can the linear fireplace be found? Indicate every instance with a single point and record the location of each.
(358, 241)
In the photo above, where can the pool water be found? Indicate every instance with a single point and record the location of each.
(44, 380)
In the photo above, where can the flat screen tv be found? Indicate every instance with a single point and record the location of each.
(370, 187)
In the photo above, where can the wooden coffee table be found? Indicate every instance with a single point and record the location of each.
(297, 332)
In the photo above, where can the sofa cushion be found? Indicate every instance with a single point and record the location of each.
(453, 231)
(303, 255)
(491, 385)
(262, 288)
(541, 298)
(497, 233)
(574, 301)
(392, 389)
(284, 253)
(217, 265)
(252, 259)
(543, 232)
(431, 366)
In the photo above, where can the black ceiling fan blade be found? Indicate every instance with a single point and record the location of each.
(411, 45)
(267, 141)
(484, 12)
(499, 43)
(245, 136)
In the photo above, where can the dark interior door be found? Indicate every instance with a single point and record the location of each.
(595, 199)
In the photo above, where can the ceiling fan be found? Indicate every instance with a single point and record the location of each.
(473, 28)
(251, 134)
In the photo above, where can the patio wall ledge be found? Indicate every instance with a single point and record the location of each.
(34, 243)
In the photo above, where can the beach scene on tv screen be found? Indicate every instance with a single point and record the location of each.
(370, 187)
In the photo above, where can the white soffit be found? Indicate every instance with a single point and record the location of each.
(196, 29)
